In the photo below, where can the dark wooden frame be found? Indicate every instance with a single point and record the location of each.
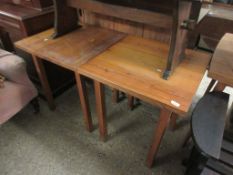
(180, 19)
(6, 41)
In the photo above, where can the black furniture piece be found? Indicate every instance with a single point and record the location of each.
(212, 153)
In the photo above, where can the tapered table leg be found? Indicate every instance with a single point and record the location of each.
(115, 96)
(130, 102)
(83, 95)
(173, 122)
(158, 135)
(44, 81)
(100, 108)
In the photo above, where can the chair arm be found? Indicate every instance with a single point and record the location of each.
(13, 68)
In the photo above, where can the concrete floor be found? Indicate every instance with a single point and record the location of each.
(56, 142)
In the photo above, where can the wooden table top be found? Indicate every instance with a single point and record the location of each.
(221, 67)
(134, 65)
(72, 49)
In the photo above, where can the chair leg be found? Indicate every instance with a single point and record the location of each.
(36, 105)
(196, 163)
(211, 85)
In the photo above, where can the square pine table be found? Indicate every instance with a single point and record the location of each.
(134, 65)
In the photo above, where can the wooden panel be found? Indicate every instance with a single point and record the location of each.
(70, 50)
(129, 27)
(135, 65)
(221, 67)
(132, 14)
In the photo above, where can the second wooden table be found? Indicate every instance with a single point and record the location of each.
(134, 65)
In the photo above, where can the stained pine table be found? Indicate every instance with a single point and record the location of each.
(68, 51)
(134, 65)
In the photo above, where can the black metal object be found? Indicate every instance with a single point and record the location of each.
(208, 123)
(66, 18)
(182, 23)
(6, 41)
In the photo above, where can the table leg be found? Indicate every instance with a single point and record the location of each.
(173, 122)
(100, 108)
(115, 96)
(83, 95)
(158, 135)
(44, 81)
(130, 102)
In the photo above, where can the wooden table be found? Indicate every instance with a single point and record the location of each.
(134, 65)
(221, 67)
(68, 51)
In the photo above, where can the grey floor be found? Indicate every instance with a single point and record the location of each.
(56, 142)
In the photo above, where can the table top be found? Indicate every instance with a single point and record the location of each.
(221, 67)
(70, 50)
(134, 65)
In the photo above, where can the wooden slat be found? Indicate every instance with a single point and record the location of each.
(208, 171)
(227, 158)
(219, 167)
(132, 14)
(227, 146)
(126, 26)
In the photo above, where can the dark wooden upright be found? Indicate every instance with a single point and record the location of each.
(175, 17)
